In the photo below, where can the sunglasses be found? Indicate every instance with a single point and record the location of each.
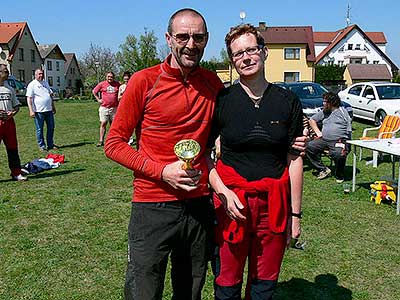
(183, 38)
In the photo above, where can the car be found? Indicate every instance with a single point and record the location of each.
(19, 88)
(311, 96)
(373, 100)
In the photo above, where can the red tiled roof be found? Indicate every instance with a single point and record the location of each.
(9, 30)
(369, 72)
(329, 36)
(291, 35)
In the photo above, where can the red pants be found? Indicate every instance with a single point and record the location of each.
(8, 135)
(263, 248)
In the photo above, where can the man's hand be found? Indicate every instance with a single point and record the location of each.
(31, 113)
(232, 205)
(178, 178)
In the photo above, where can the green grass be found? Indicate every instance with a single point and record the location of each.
(63, 233)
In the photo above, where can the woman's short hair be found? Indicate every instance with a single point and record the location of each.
(239, 30)
(332, 98)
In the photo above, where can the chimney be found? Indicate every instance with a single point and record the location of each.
(262, 26)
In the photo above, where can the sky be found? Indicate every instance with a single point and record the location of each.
(75, 24)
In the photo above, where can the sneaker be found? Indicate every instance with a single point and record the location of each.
(100, 144)
(43, 149)
(339, 180)
(20, 178)
(55, 147)
(324, 173)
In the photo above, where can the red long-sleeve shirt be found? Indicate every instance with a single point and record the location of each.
(163, 109)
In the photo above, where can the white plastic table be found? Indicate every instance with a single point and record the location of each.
(389, 146)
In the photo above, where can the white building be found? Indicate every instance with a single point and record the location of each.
(351, 45)
(53, 66)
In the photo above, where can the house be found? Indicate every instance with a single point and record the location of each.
(351, 45)
(291, 54)
(19, 51)
(363, 72)
(72, 73)
(53, 66)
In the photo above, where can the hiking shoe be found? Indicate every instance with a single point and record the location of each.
(20, 178)
(324, 173)
(100, 144)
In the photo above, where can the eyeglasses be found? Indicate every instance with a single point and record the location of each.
(183, 38)
(250, 51)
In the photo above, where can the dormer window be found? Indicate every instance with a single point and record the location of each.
(358, 47)
(350, 47)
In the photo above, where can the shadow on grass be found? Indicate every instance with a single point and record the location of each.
(46, 173)
(325, 287)
(52, 173)
(76, 145)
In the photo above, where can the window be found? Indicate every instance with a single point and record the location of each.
(291, 76)
(49, 65)
(21, 54)
(292, 53)
(356, 60)
(58, 80)
(340, 63)
(358, 47)
(69, 82)
(350, 47)
(21, 75)
(341, 49)
(375, 62)
(33, 74)
(33, 55)
(50, 80)
(73, 70)
(57, 65)
(356, 90)
(368, 92)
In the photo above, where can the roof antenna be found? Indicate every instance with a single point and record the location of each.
(348, 15)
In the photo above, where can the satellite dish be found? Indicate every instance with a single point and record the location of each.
(242, 15)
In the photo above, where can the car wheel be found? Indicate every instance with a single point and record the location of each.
(380, 115)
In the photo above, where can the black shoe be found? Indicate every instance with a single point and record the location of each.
(100, 144)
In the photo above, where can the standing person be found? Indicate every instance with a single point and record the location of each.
(9, 106)
(336, 129)
(172, 214)
(108, 103)
(258, 179)
(42, 109)
(122, 87)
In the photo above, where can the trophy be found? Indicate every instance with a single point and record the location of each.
(187, 150)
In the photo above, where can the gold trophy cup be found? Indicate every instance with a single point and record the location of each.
(187, 150)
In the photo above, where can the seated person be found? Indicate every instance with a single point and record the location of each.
(336, 129)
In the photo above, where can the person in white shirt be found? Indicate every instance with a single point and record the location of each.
(42, 109)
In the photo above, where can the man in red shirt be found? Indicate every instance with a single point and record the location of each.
(108, 103)
(171, 210)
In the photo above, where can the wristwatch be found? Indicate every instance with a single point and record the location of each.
(297, 215)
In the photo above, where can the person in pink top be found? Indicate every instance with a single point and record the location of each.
(108, 103)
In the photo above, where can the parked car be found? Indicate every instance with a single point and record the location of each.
(310, 95)
(19, 87)
(373, 100)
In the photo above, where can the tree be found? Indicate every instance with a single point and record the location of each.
(329, 73)
(136, 55)
(95, 63)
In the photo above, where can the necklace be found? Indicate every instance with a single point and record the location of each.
(256, 101)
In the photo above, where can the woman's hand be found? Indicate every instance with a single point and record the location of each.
(232, 205)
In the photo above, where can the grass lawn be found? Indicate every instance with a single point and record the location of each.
(63, 233)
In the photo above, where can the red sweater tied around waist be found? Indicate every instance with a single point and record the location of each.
(278, 199)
